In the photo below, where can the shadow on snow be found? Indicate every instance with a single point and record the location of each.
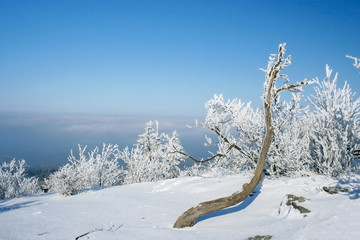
(353, 184)
(8, 207)
(235, 208)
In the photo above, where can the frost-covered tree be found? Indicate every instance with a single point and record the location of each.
(335, 127)
(153, 157)
(277, 62)
(239, 131)
(94, 169)
(14, 182)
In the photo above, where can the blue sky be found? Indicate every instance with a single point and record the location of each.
(152, 60)
(163, 57)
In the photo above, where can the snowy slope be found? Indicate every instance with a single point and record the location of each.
(148, 211)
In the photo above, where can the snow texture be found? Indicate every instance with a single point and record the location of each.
(148, 211)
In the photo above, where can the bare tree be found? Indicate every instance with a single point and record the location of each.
(277, 62)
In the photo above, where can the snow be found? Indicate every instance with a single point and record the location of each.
(148, 211)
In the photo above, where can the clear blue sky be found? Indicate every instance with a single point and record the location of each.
(88, 72)
(163, 57)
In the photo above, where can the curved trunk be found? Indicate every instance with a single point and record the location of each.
(189, 217)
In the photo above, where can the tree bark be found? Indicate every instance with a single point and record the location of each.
(189, 217)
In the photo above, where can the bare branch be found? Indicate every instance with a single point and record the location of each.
(83, 235)
(202, 160)
(232, 145)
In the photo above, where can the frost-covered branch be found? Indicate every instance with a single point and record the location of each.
(356, 61)
(231, 145)
(277, 62)
(238, 130)
(293, 87)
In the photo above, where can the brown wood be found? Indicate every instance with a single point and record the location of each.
(189, 217)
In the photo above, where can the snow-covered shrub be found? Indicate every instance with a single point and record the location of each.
(94, 169)
(289, 153)
(335, 127)
(239, 130)
(155, 156)
(98, 168)
(13, 181)
(64, 181)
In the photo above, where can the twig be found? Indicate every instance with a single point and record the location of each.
(95, 230)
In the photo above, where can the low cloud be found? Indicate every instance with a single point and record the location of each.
(93, 124)
(120, 125)
(44, 139)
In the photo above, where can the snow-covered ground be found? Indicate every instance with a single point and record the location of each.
(148, 211)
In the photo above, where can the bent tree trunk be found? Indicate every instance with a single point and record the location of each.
(188, 218)
(272, 73)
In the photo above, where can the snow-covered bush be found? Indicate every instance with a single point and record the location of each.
(64, 181)
(239, 130)
(289, 153)
(98, 168)
(335, 127)
(94, 169)
(13, 180)
(155, 156)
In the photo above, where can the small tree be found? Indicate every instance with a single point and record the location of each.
(13, 181)
(277, 62)
(153, 157)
